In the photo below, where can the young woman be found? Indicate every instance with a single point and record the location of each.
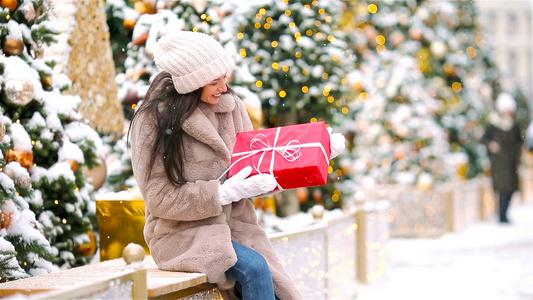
(182, 138)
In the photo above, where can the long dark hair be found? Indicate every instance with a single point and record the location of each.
(169, 109)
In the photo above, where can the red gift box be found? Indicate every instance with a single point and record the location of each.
(297, 155)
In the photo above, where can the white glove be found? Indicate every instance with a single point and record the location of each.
(239, 187)
(336, 143)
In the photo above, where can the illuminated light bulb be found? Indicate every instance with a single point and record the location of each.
(332, 39)
(471, 51)
(345, 110)
(243, 53)
(363, 96)
(257, 25)
(274, 44)
(380, 39)
(259, 83)
(328, 19)
(262, 11)
(309, 32)
(313, 120)
(381, 48)
(298, 54)
(372, 8)
(292, 25)
(288, 12)
(321, 11)
(267, 26)
(203, 16)
(275, 66)
(269, 20)
(318, 23)
(457, 87)
(331, 99)
(305, 89)
(282, 94)
(325, 76)
(285, 68)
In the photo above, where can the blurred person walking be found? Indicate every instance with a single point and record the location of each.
(504, 141)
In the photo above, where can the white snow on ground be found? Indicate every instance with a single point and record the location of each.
(485, 261)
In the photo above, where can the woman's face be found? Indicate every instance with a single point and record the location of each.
(212, 91)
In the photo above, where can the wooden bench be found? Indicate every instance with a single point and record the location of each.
(148, 282)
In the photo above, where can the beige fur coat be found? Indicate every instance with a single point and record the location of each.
(186, 227)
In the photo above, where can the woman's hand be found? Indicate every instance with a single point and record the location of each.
(239, 186)
(336, 143)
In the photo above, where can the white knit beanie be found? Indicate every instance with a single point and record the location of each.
(505, 102)
(193, 59)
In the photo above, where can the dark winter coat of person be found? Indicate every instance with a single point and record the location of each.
(504, 143)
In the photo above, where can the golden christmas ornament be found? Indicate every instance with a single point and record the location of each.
(74, 165)
(18, 92)
(11, 4)
(98, 174)
(5, 220)
(140, 40)
(129, 24)
(24, 158)
(47, 81)
(89, 249)
(13, 47)
(144, 7)
(133, 253)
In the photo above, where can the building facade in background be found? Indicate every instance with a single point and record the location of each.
(508, 26)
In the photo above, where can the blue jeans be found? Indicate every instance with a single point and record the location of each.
(252, 275)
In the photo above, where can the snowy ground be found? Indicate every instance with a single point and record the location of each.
(484, 261)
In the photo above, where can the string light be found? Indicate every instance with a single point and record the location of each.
(372, 8)
(305, 89)
(471, 51)
(457, 87)
(259, 83)
(240, 35)
(282, 94)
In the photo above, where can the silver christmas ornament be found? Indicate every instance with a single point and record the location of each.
(18, 92)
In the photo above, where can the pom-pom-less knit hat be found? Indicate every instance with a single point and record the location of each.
(505, 102)
(193, 59)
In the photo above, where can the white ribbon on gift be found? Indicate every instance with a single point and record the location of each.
(260, 143)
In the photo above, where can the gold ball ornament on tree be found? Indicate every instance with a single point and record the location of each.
(10, 4)
(24, 158)
(145, 7)
(13, 47)
(89, 249)
(18, 92)
(133, 253)
(47, 81)
(98, 173)
(129, 24)
(5, 220)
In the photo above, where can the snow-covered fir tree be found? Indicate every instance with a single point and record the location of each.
(395, 137)
(49, 138)
(24, 250)
(295, 58)
(457, 64)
